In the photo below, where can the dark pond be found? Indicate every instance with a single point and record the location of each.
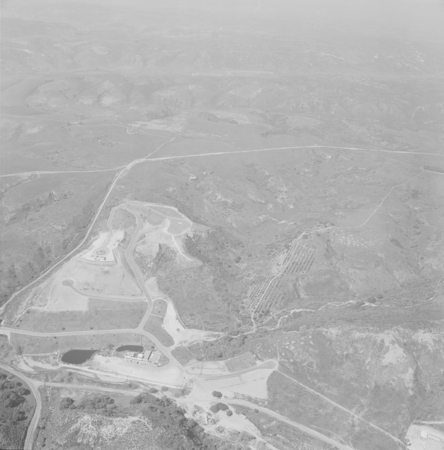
(131, 348)
(77, 356)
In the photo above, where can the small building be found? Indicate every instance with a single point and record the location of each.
(155, 357)
(134, 356)
(424, 434)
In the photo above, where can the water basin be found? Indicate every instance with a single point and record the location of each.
(77, 356)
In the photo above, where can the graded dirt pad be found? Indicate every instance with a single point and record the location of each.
(214, 368)
(100, 280)
(159, 308)
(150, 241)
(423, 436)
(127, 316)
(178, 226)
(98, 304)
(64, 298)
(169, 212)
(154, 326)
(123, 219)
(251, 383)
(183, 355)
(241, 362)
(182, 335)
(168, 376)
(35, 344)
(152, 217)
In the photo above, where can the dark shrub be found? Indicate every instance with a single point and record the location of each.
(66, 403)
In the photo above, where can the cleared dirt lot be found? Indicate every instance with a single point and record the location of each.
(241, 362)
(178, 226)
(168, 376)
(122, 219)
(97, 279)
(64, 298)
(183, 355)
(152, 217)
(250, 383)
(170, 212)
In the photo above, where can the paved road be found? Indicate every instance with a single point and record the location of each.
(38, 404)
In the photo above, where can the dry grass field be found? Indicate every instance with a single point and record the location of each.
(183, 355)
(102, 316)
(241, 362)
(159, 308)
(123, 219)
(154, 326)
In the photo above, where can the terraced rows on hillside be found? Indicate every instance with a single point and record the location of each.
(268, 295)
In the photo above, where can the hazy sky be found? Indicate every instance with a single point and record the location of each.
(422, 18)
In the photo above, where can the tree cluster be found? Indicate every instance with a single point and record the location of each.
(14, 410)
(218, 407)
(101, 404)
(179, 432)
(11, 392)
